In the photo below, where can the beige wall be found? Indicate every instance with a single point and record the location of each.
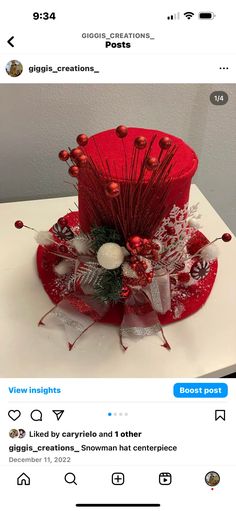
(38, 120)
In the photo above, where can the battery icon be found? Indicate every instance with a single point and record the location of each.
(206, 15)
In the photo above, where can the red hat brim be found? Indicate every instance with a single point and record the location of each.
(190, 298)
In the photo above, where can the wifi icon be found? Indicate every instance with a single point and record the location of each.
(189, 15)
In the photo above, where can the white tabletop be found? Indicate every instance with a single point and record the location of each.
(204, 344)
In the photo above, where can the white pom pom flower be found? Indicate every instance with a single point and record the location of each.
(110, 256)
(193, 223)
(63, 267)
(82, 244)
(44, 238)
(209, 252)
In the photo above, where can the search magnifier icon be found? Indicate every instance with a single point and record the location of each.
(70, 478)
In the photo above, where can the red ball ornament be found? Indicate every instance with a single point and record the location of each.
(165, 143)
(121, 131)
(183, 277)
(139, 272)
(76, 153)
(82, 160)
(151, 163)
(74, 171)
(226, 237)
(140, 142)
(63, 249)
(112, 189)
(63, 155)
(135, 242)
(19, 224)
(62, 222)
(144, 265)
(82, 139)
(125, 292)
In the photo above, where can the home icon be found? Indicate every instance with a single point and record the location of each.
(23, 479)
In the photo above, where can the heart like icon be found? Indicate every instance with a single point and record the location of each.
(14, 414)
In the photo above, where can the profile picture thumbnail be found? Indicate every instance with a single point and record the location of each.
(17, 433)
(212, 478)
(21, 433)
(14, 68)
(13, 433)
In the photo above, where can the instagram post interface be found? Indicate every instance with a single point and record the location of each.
(117, 260)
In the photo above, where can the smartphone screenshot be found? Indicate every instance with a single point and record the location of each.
(118, 279)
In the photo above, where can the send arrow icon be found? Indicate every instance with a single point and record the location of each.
(58, 413)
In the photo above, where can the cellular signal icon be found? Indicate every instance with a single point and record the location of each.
(175, 16)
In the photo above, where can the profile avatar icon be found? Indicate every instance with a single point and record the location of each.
(14, 68)
(13, 433)
(21, 433)
(212, 478)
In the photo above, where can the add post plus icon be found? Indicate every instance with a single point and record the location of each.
(118, 478)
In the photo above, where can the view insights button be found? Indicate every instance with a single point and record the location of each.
(200, 390)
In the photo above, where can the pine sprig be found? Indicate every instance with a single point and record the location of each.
(109, 287)
(104, 234)
(90, 274)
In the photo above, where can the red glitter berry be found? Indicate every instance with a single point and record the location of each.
(82, 160)
(151, 163)
(121, 131)
(76, 153)
(74, 171)
(62, 221)
(112, 189)
(165, 143)
(19, 224)
(135, 241)
(226, 237)
(125, 292)
(63, 155)
(82, 139)
(140, 142)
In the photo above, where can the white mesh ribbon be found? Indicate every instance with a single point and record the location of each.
(159, 291)
(73, 321)
(140, 319)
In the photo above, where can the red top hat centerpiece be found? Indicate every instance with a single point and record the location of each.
(132, 254)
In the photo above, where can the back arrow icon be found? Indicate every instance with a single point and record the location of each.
(10, 41)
